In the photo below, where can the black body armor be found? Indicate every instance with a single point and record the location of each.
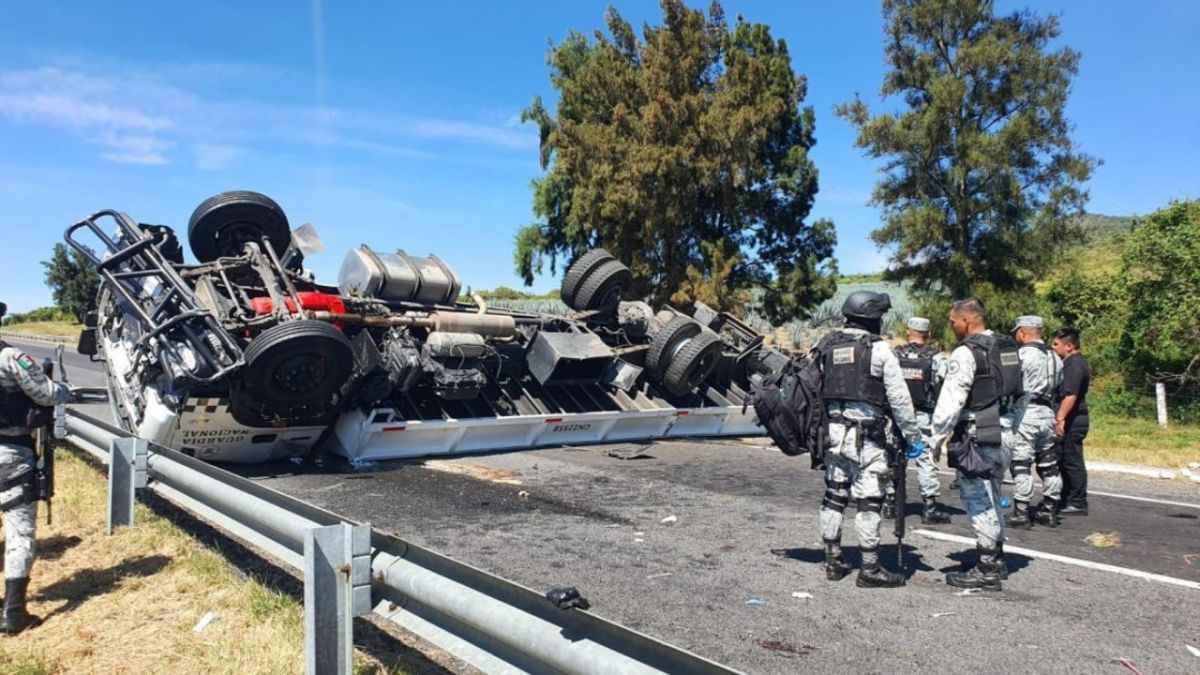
(846, 369)
(916, 361)
(14, 405)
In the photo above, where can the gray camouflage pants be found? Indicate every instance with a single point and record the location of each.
(981, 498)
(927, 479)
(19, 521)
(1035, 442)
(846, 478)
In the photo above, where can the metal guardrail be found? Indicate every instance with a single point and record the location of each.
(31, 337)
(491, 623)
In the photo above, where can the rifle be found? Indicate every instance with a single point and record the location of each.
(900, 482)
(51, 427)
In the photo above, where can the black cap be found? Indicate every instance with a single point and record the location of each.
(866, 305)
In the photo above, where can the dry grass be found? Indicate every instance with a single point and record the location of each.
(1132, 440)
(129, 603)
(55, 328)
(1103, 539)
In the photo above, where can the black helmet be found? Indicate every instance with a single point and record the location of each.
(867, 305)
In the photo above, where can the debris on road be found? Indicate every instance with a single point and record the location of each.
(801, 595)
(1103, 539)
(668, 520)
(756, 602)
(967, 591)
(939, 615)
(785, 649)
(1128, 664)
(630, 452)
(523, 494)
(1195, 652)
(567, 598)
(659, 575)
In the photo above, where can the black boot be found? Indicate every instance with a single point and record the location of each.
(836, 568)
(1020, 516)
(16, 618)
(889, 507)
(985, 575)
(873, 575)
(1046, 514)
(1002, 568)
(932, 513)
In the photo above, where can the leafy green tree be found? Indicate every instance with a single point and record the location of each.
(980, 175)
(685, 154)
(72, 280)
(1161, 266)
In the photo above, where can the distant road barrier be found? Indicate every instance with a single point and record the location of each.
(49, 339)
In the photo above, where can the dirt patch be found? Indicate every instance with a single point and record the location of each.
(1103, 539)
(474, 471)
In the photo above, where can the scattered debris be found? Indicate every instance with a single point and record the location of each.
(668, 520)
(1128, 664)
(471, 470)
(523, 494)
(659, 575)
(1104, 539)
(1189, 559)
(639, 534)
(939, 615)
(968, 591)
(1193, 465)
(1195, 652)
(567, 598)
(630, 452)
(801, 595)
(786, 649)
(638, 540)
(756, 602)
(203, 622)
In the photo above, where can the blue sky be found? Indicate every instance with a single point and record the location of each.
(395, 124)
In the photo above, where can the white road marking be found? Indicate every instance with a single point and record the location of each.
(1139, 574)
(1114, 495)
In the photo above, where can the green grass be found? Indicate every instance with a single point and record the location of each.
(56, 328)
(1135, 440)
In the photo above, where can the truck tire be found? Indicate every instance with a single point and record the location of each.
(297, 364)
(223, 224)
(664, 341)
(603, 289)
(690, 366)
(580, 269)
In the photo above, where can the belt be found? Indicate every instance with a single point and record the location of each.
(24, 440)
(1042, 400)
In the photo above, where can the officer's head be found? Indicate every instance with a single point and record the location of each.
(918, 329)
(1066, 342)
(865, 309)
(1027, 329)
(967, 317)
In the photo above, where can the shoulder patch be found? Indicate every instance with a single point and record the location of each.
(25, 362)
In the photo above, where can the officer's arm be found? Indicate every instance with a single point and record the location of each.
(29, 376)
(960, 374)
(899, 399)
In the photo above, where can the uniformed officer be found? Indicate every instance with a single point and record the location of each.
(861, 382)
(966, 421)
(23, 386)
(1033, 421)
(924, 368)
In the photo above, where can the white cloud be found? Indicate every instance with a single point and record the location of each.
(214, 157)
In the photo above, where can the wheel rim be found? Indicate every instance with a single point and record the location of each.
(231, 240)
(702, 369)
(299, 375)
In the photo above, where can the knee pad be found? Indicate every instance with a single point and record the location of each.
(1047, 470)
(834, 501)
(1022, 468)
(837, 485)
(870, 505)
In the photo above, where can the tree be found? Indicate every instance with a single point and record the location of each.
(72, 280)
(1161, 266)
(685, 154)
(980, 175)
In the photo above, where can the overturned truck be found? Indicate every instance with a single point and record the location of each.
(245, 357)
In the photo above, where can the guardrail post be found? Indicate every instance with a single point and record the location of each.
(126, 473)
(337, 588)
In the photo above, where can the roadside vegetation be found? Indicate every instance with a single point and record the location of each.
(152, 598)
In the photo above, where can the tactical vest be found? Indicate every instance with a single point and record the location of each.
(997, 371)
(1045, 398)
(846, 369)
(916, 362)
(14, 405)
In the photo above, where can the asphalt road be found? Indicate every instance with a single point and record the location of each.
(722, 578)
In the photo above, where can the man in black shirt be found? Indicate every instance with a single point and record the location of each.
(1071, 422)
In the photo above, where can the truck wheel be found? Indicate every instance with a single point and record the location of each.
(604, 287)
(223, 224)
(581, 268)
(296, 364)
(664, 342)
(692, 364)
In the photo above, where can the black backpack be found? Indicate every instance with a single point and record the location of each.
(788, 404)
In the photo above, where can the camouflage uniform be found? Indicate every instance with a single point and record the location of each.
(1033, 417)
(858, 467)
(20, 373)
(927, 479)
(981, 497)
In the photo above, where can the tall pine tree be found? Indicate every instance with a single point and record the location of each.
(980, 175)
